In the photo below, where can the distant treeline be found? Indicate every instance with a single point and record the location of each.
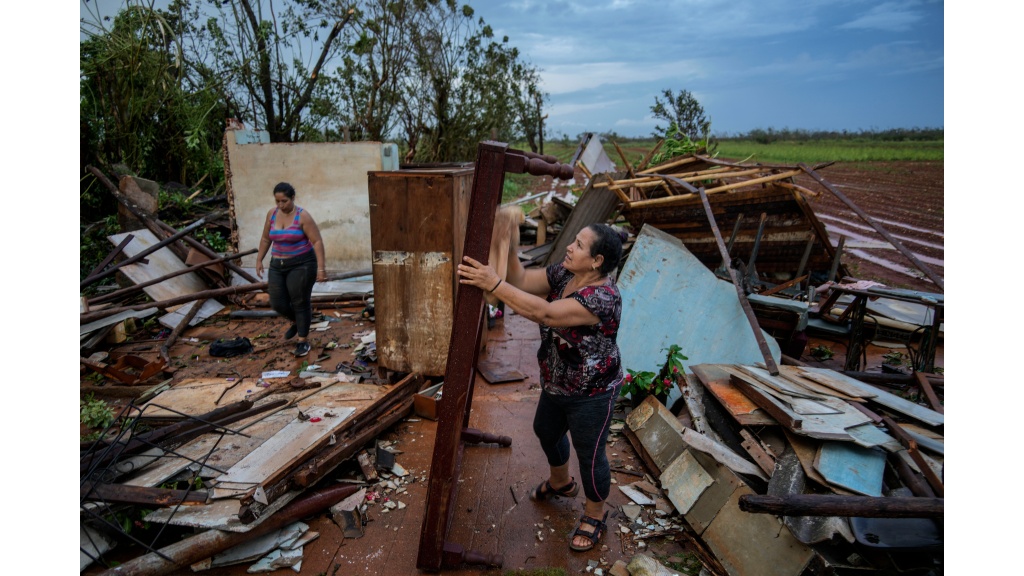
(770, 135)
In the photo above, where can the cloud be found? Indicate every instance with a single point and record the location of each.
(888, 17)
(564, 79)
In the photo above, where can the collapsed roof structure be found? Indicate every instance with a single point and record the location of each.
(249, 436)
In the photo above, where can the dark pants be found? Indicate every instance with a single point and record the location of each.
(587, 420)
(290, 283)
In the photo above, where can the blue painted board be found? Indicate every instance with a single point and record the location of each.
(669, 297)
(852, 467)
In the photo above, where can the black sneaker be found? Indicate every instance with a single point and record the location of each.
(301, 349)
(291, 332)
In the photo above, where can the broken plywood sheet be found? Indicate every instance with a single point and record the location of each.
(792, 374)
(197, 396)
(496, 372)
(719, 383)
(172, 319)
(666, 292)
(161, 263)
(851, 467)
(215, 452)
(290, 444)
(754, 544)
(887, 399)
(869, 436)
(219, 515)
(806, 449)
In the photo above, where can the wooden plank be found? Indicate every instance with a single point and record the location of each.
(293, 443)
(719, 383)
(929, 392)
(782, 413)
(806, 449)
(779, 384)
(595, 205)
(840, 385)
(882, 397)
(851, 467)
(721, 453)
(793, 375)
(460, 370)
(757, 452)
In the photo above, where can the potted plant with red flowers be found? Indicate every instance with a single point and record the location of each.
(641, 384)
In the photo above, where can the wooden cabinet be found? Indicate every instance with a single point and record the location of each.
(417, 231)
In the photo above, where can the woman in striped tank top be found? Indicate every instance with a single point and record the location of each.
(296, 263)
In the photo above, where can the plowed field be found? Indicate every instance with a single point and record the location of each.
(906, 198)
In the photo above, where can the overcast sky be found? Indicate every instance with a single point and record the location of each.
(826, 64)
(814, 65)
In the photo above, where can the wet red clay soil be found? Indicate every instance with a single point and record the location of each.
(906, 198)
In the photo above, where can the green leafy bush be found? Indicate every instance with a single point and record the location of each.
(642, 383)
(95, 413)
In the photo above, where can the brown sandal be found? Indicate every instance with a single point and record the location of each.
(545, 490)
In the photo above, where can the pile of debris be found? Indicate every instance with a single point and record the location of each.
(852, 471)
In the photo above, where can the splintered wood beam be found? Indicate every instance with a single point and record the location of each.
(650, 154)
(929, 392)
(783, 286)
(798, 188)
(839, 505)
(140, 495)
(671, 164)
(752, 182)
(629, 167)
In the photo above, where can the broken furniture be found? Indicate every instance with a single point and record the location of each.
(854, 319)
(838, 470)
(418, 220)
(435, 551)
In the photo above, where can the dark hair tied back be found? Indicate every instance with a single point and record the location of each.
(608, 243)
(285, 188)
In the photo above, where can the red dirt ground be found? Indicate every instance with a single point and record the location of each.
(906, 198)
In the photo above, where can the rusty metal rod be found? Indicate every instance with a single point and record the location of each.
(184, 553)
(205, 250)
(113, 254)
(214, 293)
(170, 239)
(878, 227)
(131, 289)
(165, 348)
